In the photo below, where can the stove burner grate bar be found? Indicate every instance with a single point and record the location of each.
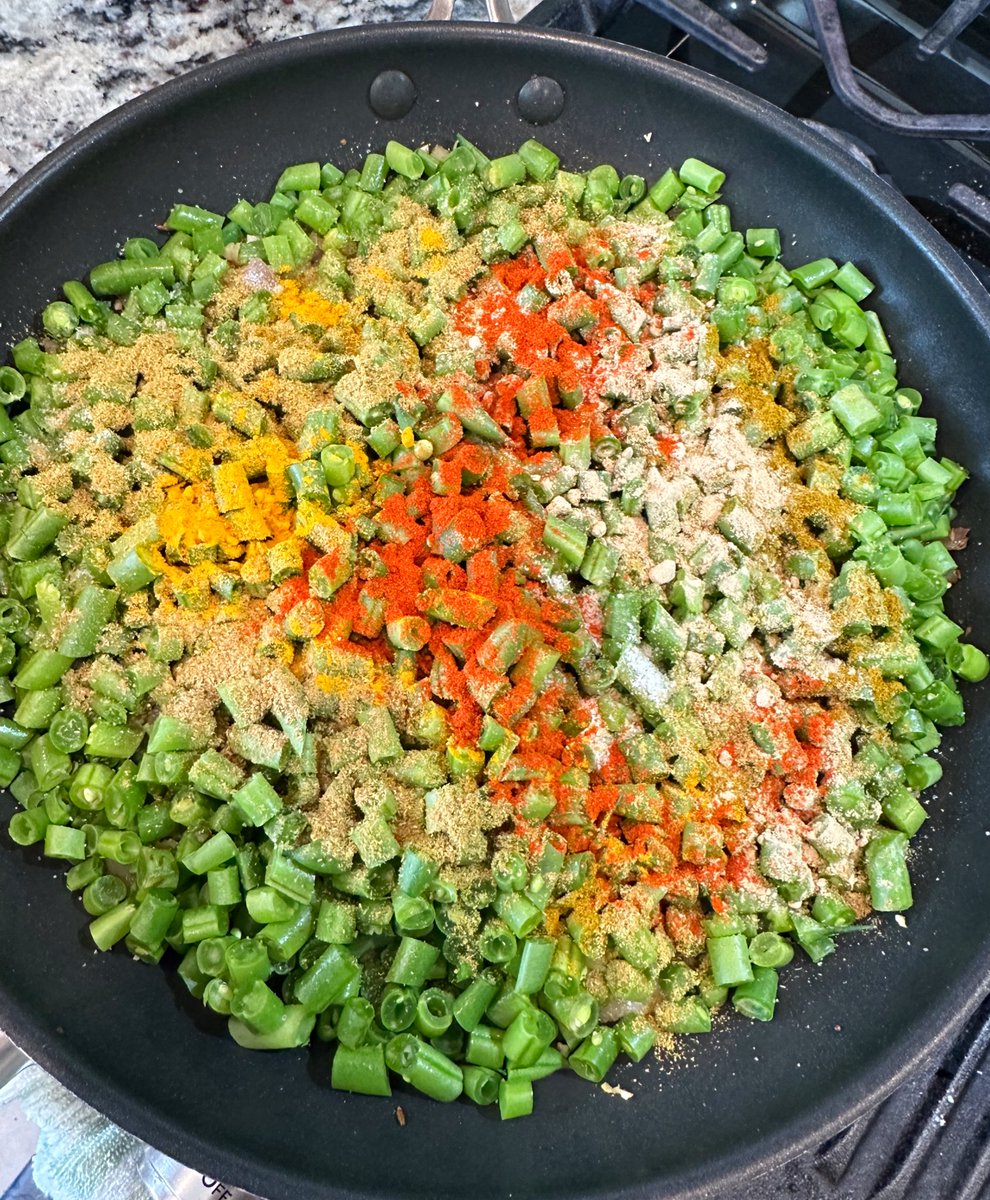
(928, 1141)
(827, 26)
(702, 22)
(950, 25)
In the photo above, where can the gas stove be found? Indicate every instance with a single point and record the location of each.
(903, 85)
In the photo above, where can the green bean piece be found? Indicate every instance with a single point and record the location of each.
(63, 841)
(505, 171)
(360, 1069)
(68, 730)
(36, 534)
(119, 277)
(757, 998)
(397, 1010)
(28, 828)
(354, 1023)
(695, 173)
(424, 1067)
(154, 915)
(887, 873)
(534, 964)
(730, 960)
(104, 893)
(111, 927)
(326, 979)
(471, 1005)
(527, 1036)
(294, 1028)
(403, 161)
(549, 1062)
(968, 662)
(636, 1037)
(258, 1008)
(596, 1054)
(434, 1012)
(770, 949)
(515, 1098)
(567, 538)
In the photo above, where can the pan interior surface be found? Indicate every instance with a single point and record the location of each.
(126, 1037)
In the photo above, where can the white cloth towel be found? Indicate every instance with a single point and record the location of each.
(80, 1155)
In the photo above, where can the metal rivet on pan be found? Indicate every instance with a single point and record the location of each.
(392, 94)
(540, 100)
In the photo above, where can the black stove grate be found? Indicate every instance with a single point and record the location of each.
(930, 1140)
(898, 117)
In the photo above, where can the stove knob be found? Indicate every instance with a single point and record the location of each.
(166, 1179)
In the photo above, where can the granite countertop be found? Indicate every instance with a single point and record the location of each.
(64, 63)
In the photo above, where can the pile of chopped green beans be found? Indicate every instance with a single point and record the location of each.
(549, 731)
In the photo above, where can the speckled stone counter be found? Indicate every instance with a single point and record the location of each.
(63, 63)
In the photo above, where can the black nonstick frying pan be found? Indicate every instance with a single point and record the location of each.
(123, 1036)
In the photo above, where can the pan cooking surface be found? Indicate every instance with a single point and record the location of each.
(125, 1037)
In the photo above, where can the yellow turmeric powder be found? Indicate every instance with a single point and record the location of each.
(190, 517)
(307, 305)
(190, 522)
(431, 239)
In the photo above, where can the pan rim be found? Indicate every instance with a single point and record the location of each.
(912, 1048)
